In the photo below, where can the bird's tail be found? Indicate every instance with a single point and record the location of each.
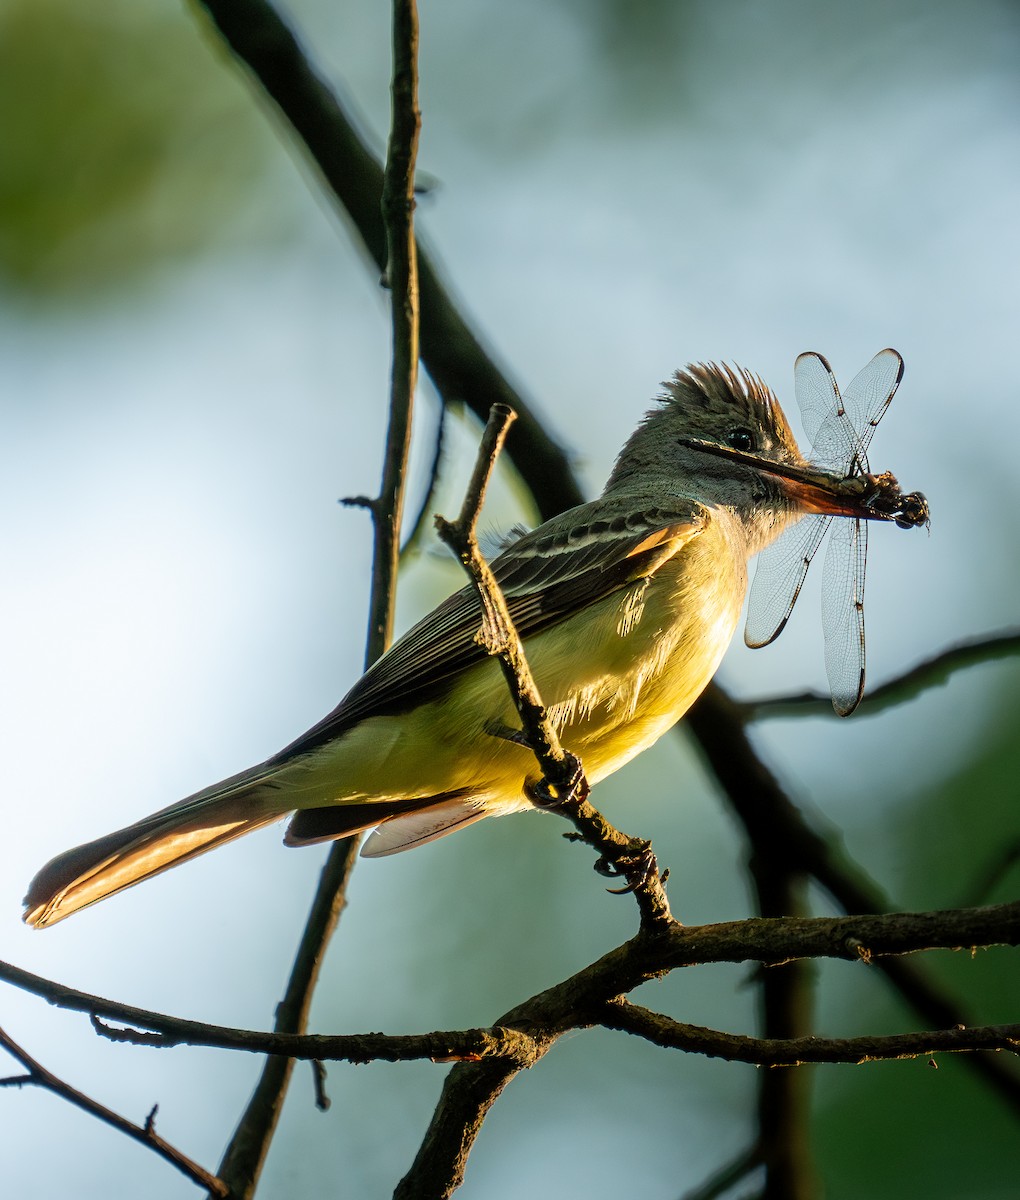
(89, 873)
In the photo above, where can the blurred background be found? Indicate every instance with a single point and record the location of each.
(193, 369)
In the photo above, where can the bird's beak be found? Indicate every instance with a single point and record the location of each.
(812, 490)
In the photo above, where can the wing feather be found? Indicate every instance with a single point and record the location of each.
(577, 558)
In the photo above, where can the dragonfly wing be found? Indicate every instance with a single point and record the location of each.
(778, 578)
(821, 407)
(867, 398)
(843, 613)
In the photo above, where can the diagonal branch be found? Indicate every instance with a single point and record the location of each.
(145, 1134)
(565, 788)
(461, 369)
(246, 1151)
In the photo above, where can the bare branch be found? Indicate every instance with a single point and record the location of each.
(468, 1094)
(646, 956)
(777, 830)
(145, 1134)
(498, 635)
(397, 206)
(246, 1151)
(470, 1089)
(461, 369)
(933, 672)
(792, 1052)
(243, 1159)
(784, 1001)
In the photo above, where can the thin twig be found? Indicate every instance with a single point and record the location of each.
(933, 672)
(322, 1100)
(498, 635)
(145, 1134)
(245, 1155)
(397, 207)
(420, 523)
(727, 1176)
(784, 995)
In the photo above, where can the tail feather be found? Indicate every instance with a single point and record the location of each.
(89, 873)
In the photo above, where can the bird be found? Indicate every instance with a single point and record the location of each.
(625, 606)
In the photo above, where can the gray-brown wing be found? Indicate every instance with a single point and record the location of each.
(575, 559)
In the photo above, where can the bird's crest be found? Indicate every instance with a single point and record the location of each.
(720, 388)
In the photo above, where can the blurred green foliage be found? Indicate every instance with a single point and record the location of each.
(122, 148)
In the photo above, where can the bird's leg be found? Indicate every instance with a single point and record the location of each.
(497, 729)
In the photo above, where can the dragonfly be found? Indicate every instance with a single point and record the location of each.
(840, 427)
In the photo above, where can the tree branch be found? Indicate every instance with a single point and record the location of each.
(246, 1151)
(785, 996)
(470, 1089)
(452, 353)
(646, 956)
(145, 1134)
(933, 672)
(421, 519)
(793, 1052)
(777, 830)
(565, 788)
(242, 1162)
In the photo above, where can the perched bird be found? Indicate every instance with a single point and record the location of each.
(626, 606)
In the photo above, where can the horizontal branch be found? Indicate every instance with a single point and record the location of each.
(570, 1003)
(933, 672)
(791, 1052)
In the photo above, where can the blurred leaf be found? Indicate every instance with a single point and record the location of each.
(125, 144)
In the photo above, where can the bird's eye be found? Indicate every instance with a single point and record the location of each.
(741, 439)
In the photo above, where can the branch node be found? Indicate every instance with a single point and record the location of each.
(858, 949)
(359, 502)
(322, 1100)
(136, 1037)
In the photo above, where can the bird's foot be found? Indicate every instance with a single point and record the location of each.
(568, 787)
(636, 867)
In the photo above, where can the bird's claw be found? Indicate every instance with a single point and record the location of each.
(574, 787)
(636, 868)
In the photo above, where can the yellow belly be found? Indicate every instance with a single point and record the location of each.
(613, 678)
